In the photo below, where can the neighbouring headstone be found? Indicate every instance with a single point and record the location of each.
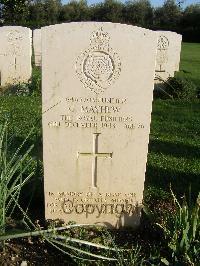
(15, 54)
(168, 55)
(97, 99)
(37, 46)
(177, 48)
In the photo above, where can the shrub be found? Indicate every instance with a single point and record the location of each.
(20, 89)
(180, 88)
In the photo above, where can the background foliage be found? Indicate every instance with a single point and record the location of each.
(170, 16)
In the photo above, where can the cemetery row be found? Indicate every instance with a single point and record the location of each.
(16, 52)
(97, 92)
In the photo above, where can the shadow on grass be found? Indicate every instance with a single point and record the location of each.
(180, 181)
(175, 149)
(171, 173)
(32, 194)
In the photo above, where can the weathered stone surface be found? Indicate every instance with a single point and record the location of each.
(168, 54)
(97, 99)
(177, 48)
(15, 54)
(37, 46)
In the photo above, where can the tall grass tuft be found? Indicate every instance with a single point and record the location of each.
(12, 169)
(182, 233)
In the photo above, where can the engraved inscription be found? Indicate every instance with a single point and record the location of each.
(92, 203)
(97, 113)
(99, 66)
(162, 56)
(14, 48)
(14, 39)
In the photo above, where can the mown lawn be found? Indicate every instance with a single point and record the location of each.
(174, 148)
(190, 62)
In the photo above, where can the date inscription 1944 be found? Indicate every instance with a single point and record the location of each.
(96, 113)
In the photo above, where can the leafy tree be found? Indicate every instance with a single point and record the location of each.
(37, 14)
(190, 23)
(75, 11)
(180, 2)
(110, 10)
(14, 12)
(191, 17)
(44, 12)
(139, 12)
(52, 11)
(168, 16)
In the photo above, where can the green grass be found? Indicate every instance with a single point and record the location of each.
(190, 62)
(23, 112)
(174, 149)
(24, 115)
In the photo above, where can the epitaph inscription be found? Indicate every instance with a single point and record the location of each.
(92, 204)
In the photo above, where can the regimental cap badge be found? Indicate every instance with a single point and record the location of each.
(163, 43)
(99, 38)
(99, 66)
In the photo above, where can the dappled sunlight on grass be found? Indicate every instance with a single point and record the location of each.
(190, 62)
(174, 148)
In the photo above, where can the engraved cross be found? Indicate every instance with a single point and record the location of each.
(95, 154)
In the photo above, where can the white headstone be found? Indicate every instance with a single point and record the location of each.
(37, 46)
(97, 100)
(15, 54)
(168, 54)
(177, 48)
